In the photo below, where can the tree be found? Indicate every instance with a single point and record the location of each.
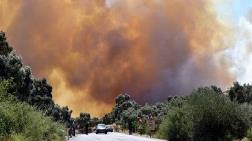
(123, 102)
(177, 126)
(41, 94)
(20, 121)
(241, 93)
(94, 121)
(108, 118)
(5, 49)
(206, 116)
(124, 112)
(24, 86)
(83, 120)
(120, 99)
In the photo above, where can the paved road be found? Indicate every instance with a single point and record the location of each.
(110, 137)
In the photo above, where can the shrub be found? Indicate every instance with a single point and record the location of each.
(21, 122)
(206, 116)
(177, 126)
(249, 134)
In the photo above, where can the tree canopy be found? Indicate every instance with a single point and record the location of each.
(24, 86)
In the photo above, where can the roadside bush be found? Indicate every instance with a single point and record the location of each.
(206, 116)
(249, 134)
(21, 122)
(142, 128)
(177, 126)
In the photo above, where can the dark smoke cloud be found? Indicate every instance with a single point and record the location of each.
(91, 51)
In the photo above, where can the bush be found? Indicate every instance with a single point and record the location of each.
(249, 134)
(21, 122)
(177, 126)
(206, 116)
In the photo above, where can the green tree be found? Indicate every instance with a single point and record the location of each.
(94, 121)
(24, 86)
(108, 118)
(206, 116)
(177, 126)
(20, 121)
(123, 102)
(41, 94)
(5, 49)
(241, 93)
(83, 120)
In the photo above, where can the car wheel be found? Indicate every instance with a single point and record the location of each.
(105, 132)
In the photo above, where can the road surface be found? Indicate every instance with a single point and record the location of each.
(110, 137)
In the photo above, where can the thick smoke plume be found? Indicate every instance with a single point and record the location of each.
(93, 50)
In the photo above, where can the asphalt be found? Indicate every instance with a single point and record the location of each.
(110, 137)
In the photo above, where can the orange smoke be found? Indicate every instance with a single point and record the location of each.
(92, 50)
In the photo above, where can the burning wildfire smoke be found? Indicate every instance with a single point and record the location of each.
(93, 50)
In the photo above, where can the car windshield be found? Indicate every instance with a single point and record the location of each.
(101, 126)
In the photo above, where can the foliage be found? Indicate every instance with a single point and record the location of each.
(24, 86)
(129, 116)
(125, 110)
(5, 48)
(241, 93)
(83, 120)
(19, 121)
(94, 121)
(60, 114)
(177, 126)
(159, 110)
(123, 102)
(249, 134)
(108, 118)
(206, 115)
(143, 128)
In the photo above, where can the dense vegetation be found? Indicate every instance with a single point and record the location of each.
(126, 111)
(20, 121)
(206, 114)
(27, 111)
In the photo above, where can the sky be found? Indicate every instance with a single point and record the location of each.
(92, 50)
(233, 10)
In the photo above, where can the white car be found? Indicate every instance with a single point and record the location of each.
(101, 128)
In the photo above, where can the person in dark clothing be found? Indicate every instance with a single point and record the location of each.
(86, 128)
(70, 132)
(68, 118)
(73, 128)
(130, 126)
(69, 124)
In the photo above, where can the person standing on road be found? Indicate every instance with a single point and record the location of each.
(73, 128)
(69, 123)
(130, 127)
(86, 127)
(151, 125)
